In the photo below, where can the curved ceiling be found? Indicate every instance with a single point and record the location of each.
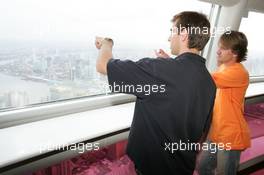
(253, 5)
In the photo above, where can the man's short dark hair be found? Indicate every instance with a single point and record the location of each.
(237, 42)
(197, 25)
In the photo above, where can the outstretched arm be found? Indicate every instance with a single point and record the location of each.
(104, 45)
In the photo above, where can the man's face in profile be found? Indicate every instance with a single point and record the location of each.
(225, 54)
(174, 40)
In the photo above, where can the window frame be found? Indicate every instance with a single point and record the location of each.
(35, 112)
(13, 117)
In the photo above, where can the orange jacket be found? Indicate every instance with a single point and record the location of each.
(228, 123)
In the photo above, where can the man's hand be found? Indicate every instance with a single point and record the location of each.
(104, 45)
(161, 54)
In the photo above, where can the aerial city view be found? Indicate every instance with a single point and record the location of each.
(36, 75)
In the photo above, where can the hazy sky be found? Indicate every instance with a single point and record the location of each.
(253, 27)
(129, 22)
(135, 22)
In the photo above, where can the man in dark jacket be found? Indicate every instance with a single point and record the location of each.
(175, 98)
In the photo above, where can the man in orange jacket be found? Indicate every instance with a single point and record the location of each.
(229, 131)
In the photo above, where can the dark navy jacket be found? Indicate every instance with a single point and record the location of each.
(177, 111)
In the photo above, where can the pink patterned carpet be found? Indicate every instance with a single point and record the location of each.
(107, 161)
(254, 115)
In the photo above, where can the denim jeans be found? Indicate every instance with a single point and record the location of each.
(220, 162)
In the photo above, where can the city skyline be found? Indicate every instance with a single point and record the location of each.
(37, 75)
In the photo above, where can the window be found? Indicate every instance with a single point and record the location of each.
(253, 27)
(47, 48)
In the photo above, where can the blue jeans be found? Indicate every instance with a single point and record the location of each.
(214, 161)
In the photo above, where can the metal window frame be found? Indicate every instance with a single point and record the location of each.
(38, 112)
(256, 79)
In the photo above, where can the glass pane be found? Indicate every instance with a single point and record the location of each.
(47, 50)
(253, 28)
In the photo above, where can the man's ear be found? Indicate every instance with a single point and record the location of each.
(235, 56)
(184, 35)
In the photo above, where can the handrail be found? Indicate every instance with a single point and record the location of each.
(45, 111)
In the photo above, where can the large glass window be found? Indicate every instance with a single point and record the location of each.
(47, 48)
(253, 27)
